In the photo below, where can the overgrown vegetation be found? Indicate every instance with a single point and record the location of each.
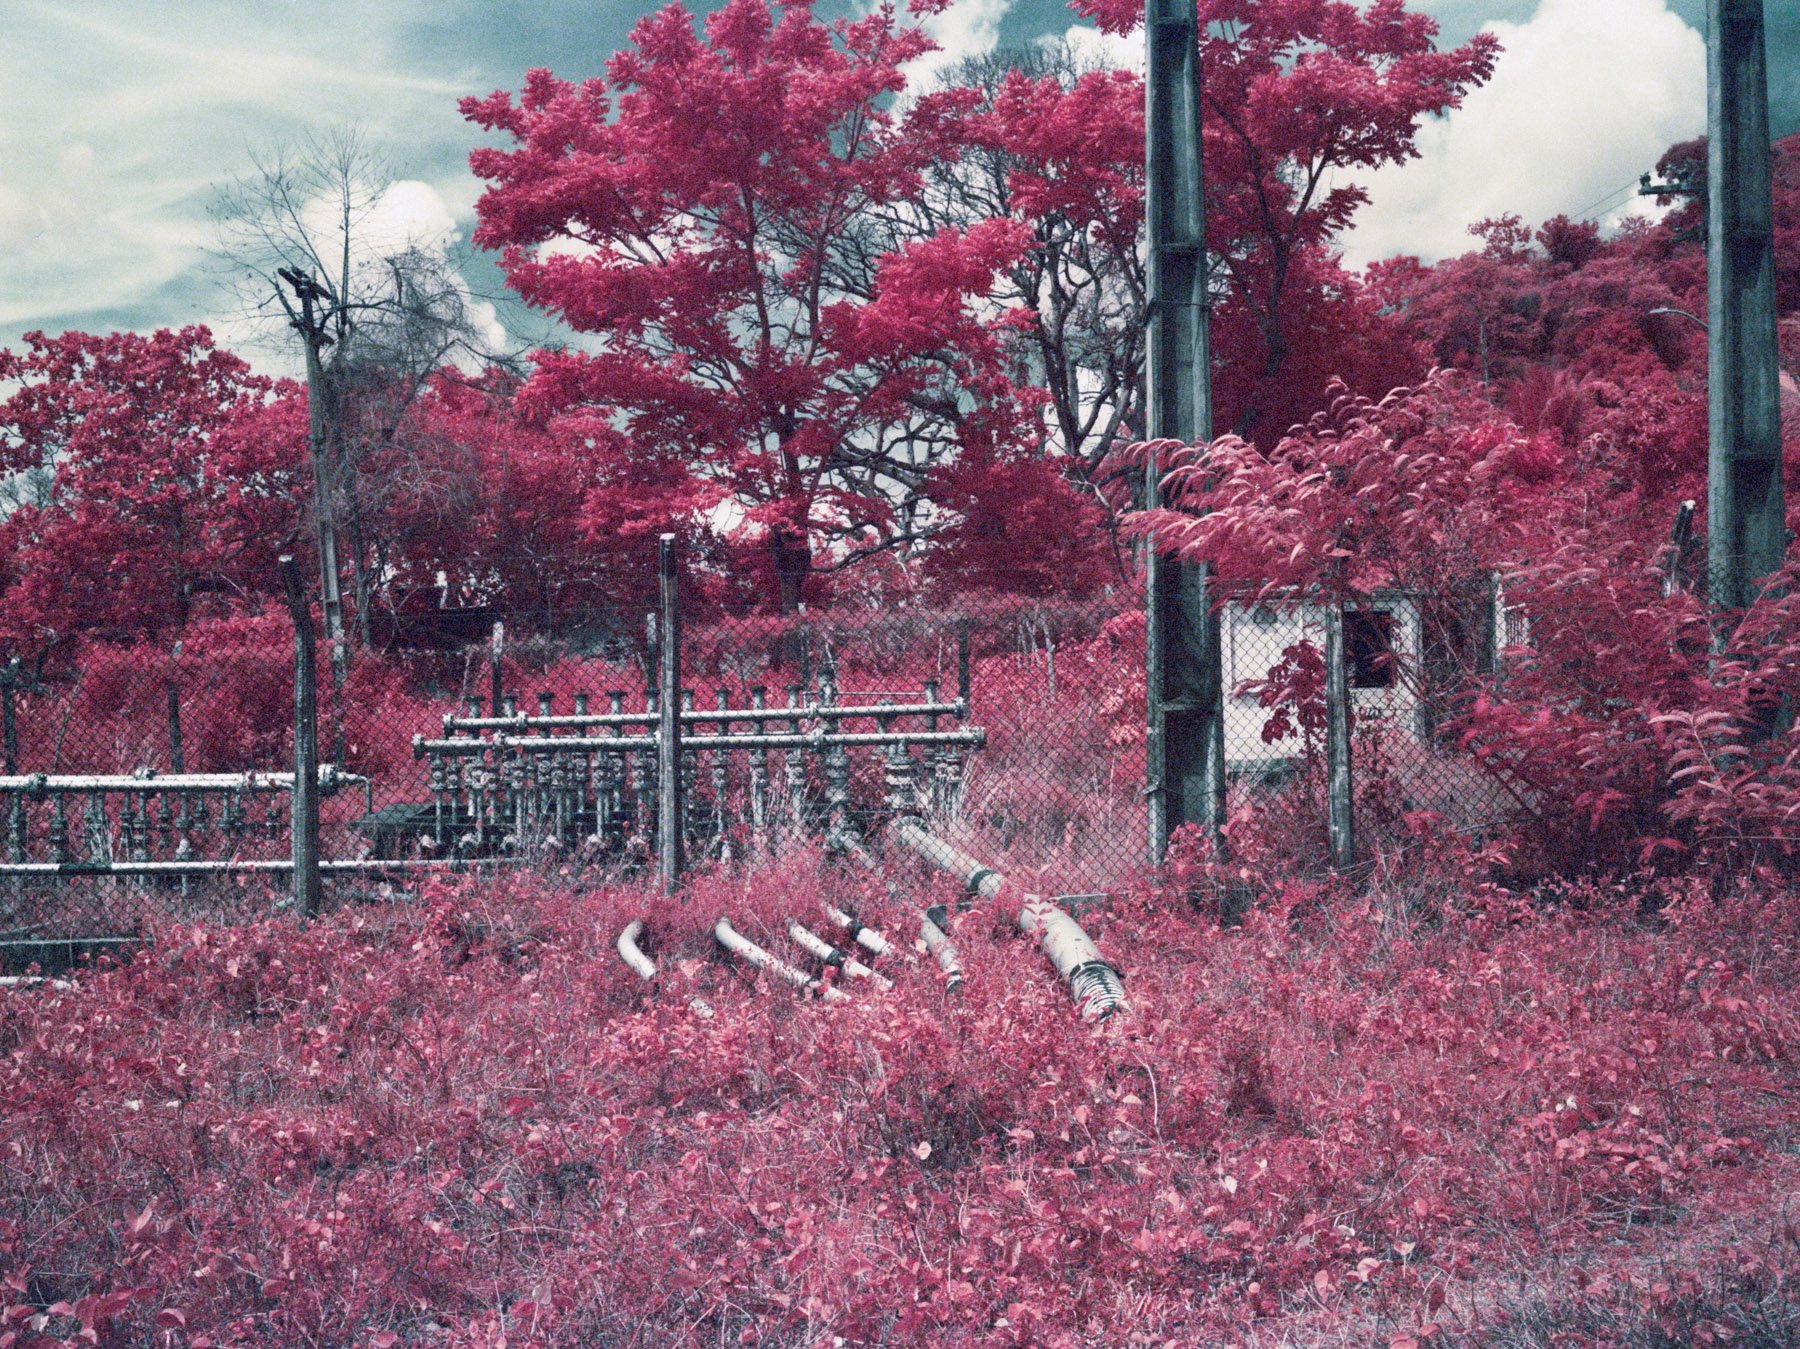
(461, 1119)
(1524, 1077)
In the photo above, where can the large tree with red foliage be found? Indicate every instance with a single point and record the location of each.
(172, 473)
(726, 213)
(486, 504)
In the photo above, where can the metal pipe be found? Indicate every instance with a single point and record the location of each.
(635, 960)
(1340, 813)
(253, 865)
(816, 946)
(942, 950)
(1092, 981)
(304, 781)
(670, 817)
(645, 968)
(739, 945)
(866, 937)
(571, 721)
(8, 981)
(976, 877)
(52, 784)
(974, 737)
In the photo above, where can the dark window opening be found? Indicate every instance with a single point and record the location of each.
(1369, 649)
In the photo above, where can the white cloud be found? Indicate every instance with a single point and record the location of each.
(70, 243)
(1104, 51)
(1587, 95)
(967, 28)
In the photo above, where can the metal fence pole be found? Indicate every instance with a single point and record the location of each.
(668, 720)
(9, 714)
(305, 820)
(963, 681)
(177, 762)
(496, 669)
(1340, 813)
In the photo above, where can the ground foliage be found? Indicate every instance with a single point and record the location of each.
(461, 1120)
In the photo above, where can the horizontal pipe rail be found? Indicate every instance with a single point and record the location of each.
(974, 737)
(520, 721)
(253, 865)
(56, 784)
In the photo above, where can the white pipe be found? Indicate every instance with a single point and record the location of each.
(977, 878)
(200, 867)
(815, 945)
(738, 944)
(932, 938)
(33, 981)
(635, 960)
(645, 968)
(942, 950)
(1092, 981)
(145, 780)
(866, 937)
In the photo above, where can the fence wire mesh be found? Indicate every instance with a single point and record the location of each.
(143, 786)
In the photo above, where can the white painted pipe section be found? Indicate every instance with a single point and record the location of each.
(977, 878)
(645, 968)
(33, 981)
(815, 945)
(1092, 981)
(942, 950)
(146, 780)
(932, 938)
(866, 937)
(740, 945)
(635, 960)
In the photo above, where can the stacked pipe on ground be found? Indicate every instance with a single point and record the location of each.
(1092, 981)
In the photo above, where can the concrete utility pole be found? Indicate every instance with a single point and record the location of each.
(671, 812)
(1745, 508)
(1186, 741)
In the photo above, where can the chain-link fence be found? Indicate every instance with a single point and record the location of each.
(1401, 667)
(143, 783)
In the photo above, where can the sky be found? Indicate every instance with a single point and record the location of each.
(120, 122)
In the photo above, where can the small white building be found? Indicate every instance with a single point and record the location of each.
(1383, 647)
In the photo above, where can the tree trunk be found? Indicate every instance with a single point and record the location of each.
(793, 564)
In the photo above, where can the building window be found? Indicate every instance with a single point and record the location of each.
(1369, 649)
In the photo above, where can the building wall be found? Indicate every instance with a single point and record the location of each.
(1254, 639)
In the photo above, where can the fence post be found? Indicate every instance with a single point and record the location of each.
(669, 814)
(305, 814)
(9, 713)
(963, 689)
(1340, 812)
(496, 669)
(177, 762)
